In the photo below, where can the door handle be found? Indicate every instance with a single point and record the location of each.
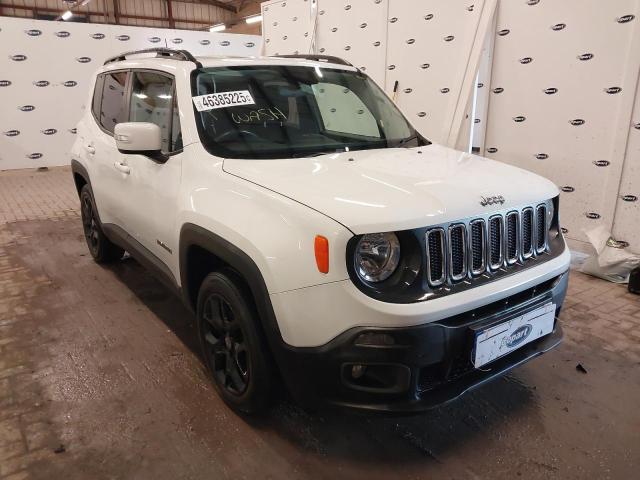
(90, 149)
(122, 167)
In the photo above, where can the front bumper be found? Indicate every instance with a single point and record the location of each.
(412, 369)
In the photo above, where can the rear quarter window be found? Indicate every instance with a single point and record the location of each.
(97, 96)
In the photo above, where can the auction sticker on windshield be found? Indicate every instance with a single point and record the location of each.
(223, 100)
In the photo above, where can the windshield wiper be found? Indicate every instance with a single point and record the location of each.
(316, 154)
(407, 140)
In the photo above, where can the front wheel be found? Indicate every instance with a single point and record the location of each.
(232, 344)
(101, 248)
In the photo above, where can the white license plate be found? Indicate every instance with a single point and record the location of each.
(506, 337)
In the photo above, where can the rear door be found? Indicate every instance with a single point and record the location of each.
(107, 180)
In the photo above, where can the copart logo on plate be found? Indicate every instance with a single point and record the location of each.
(485, 201)
(519, 336)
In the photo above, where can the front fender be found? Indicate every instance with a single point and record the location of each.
(275, 232)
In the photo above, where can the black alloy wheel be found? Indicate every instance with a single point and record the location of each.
(233, 344)
(225, 345)
(101, 248)
(90, 225)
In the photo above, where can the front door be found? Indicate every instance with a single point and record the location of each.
(153, 186)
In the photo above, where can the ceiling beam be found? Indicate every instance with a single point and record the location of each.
(172, 24)
(215, 3)
(116, 11)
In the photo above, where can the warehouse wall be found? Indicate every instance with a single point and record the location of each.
(562, 89)
(393, 40)
(555, 92)
(45, 71)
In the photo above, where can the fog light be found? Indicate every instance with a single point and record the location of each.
(357, 371)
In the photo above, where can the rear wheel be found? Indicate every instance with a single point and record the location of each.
(101, 248)
(232, 344)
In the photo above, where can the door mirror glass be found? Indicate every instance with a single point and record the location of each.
(141, 138)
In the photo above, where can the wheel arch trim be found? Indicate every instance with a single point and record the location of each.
(192, 235)
(78, 169)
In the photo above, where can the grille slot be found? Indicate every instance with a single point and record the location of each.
(436, 257)
(527, 233)
(541, 228)
(495, 242)
(457, 252)
(511, 232)
(478, 244)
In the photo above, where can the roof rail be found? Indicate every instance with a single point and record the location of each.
(160, 52)
(318, 58)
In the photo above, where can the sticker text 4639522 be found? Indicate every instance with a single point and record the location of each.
(223, 100)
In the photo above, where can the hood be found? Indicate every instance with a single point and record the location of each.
(396, 189)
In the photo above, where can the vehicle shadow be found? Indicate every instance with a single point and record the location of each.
(363, 439)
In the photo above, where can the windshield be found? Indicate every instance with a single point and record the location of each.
(291, 111)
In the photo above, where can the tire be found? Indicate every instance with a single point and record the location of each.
(232, 344)
(101, 248)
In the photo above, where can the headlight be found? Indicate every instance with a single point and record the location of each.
(377, 256)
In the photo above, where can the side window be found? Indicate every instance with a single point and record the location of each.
(343, 112)
(112, 107)
(152, 100)
(97, 96)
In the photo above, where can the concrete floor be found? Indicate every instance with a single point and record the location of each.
(100, 378)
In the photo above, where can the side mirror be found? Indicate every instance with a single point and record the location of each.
(140, 138)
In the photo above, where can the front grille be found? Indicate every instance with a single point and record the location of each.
(495, 242)
(458, 251)
(478, 242)
(527, 233)
(467, 249)
(511, 229)
(541, 224)
(436, 257)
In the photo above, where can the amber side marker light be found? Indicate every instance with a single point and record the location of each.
(321, 247)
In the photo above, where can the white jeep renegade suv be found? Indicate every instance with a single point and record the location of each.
(321, 241)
